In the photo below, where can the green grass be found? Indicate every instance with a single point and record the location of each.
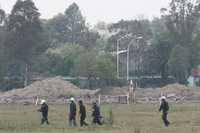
(139, 118)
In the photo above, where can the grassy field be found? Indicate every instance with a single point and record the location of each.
(139, 118)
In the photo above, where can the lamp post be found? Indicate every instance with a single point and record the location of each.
(128, 62)
(136, 38)
(117, 59)
(128, 50)
(120, 52)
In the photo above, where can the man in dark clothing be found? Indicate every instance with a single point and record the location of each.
(44, 111)
(72, 112)
(82, 112)
(164, 107)
(96, 114)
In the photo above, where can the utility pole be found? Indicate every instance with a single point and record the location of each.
(120, 51)
(128, 63)
(128, 52)
(118, 59)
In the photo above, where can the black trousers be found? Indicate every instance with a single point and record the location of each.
(164, 118)
(44, 119)
(72, 120)
(82, 121)
(96, 120)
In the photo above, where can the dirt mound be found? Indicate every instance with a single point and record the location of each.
(50, 87)
(181, 91)
(174, 88)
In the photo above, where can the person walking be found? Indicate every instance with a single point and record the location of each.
(44, 111)
(96, 114)
(82, 112)
(72, 112)
(164, 107)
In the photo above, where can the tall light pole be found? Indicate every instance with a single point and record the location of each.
(118, 59)
(128, 50)
(120, 52)
(127, 74)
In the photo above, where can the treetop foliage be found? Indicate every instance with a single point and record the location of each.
(167, 46)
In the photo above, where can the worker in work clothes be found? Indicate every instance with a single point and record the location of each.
(96, 114)
(82, 112)
(44, 111)
(72, 112)
(164, 107)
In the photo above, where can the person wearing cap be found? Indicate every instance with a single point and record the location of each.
(82, 112)
(164, 107)
(44, 111)
(72, 112)
(96, 114)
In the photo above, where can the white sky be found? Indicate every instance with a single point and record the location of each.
(98, 10)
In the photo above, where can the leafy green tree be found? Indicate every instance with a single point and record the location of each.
(85, 66)
(2, 27)
(25, 40)
(61, 60)
(106, 69)
(71, 28)
(71, 53)
(162, 44)
(2, 16)
(74, 24)
(89, 39)
(163, 50)
(67, 27)
(133, 27)
(56, 28)
(102, 45)
(179, 64)
(182, 21)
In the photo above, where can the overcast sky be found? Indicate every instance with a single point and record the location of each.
(98, 10)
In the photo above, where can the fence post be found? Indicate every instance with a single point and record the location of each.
(99, 99)
(127, 98)
(36, 102)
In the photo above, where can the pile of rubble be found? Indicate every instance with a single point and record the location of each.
(175, 88)
(58, 89)
(174, 92)
(177, 91)
(48, 88)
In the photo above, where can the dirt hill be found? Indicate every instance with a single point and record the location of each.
(172, 91)
(50, 87)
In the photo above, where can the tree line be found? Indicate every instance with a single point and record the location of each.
(67, 45)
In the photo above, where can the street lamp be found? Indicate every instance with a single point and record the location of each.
(135, 40)
(120, 52)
